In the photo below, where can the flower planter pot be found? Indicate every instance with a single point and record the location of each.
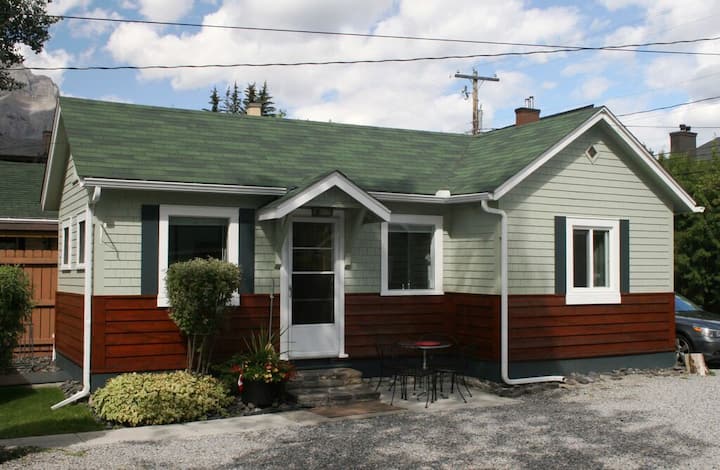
(262, 394)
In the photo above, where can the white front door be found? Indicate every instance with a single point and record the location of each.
(313, 289)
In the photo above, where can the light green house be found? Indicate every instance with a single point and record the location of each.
(546, 246)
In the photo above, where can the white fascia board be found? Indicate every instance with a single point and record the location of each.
(308, 194)
(51, 155)
(112, 183)
(12, 220)
(430, 199)
(606, 116)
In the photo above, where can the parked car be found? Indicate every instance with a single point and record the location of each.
(696, 330)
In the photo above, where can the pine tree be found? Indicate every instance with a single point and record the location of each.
(231, 102)
(250, 94)
(214, 101)
(266, 102)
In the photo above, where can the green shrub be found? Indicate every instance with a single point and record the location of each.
(199, 291)
(15, 307)
(162, 398)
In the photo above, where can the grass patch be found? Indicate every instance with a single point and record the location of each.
(26, 412)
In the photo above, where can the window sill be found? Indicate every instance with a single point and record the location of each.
(400, 292)
(592, 297)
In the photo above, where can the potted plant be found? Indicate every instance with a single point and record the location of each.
(262, 374)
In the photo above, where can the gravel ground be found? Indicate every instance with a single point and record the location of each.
(636, 421)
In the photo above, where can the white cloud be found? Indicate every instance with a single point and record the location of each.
(416, 95)
(115, 98)
(592, 88)
(61, 7)
(164, 10)
(90, 29)
(57, 58)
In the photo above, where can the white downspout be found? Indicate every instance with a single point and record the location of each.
(87, 301)
(504, 336)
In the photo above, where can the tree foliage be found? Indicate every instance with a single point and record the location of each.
(21, 22)
(236, 102)
(15, 307)
(199, 291)
(697, 236)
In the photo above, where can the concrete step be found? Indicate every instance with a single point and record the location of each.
(330, 396)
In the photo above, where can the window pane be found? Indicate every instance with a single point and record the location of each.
(580, 257)
(66, 245)
(312, 235)
(81, 242)
(312, 299)
(409, 257)
(312, 260)
(196, 238)
(600, 258)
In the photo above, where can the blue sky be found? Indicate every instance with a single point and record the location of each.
(418, 95)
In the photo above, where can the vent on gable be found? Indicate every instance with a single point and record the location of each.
(591, 153)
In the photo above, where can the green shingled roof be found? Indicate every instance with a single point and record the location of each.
(20, 185)
(116, 140)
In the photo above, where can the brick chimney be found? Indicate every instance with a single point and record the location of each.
(683, 141)
(254, 109)
(528, 113)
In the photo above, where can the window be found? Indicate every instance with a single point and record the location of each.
(593, 261)
(412, 255)
(66, 246)
(80, 242)
(187, 232)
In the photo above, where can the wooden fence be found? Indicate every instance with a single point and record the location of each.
(41, 268)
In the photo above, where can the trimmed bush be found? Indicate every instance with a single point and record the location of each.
(199, 291)
(15, 307)
(162, 398)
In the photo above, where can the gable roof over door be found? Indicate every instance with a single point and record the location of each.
(150, 147)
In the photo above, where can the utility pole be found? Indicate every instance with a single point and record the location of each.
(475, 79)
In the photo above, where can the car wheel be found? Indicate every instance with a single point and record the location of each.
(682, 347)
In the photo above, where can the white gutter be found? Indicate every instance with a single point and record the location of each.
(27, 221)
(87, 301)
(113, 183)
(504, 329)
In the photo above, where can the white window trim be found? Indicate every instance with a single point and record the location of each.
(593, 295)
(67, 224)
(167, 211)
(436, 253)
(78, 219)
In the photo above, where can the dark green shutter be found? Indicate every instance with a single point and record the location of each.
(624, 256)
(246, 258)
(149, 249)
(560, 255)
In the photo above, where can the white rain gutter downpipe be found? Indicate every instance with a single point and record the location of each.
(87, 301)
(504, 329)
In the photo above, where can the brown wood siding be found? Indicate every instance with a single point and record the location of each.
(542, 327)
(130, 333)
(41, 268)
(371, 318)
(69, 326)
(477, 323)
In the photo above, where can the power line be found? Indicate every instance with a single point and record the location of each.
(333, 62)
(673, 127)
(669, 106)
(392, 36)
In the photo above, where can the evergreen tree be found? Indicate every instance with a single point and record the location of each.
(21, 22)
(214, 101)
(697, 236)
(251, 95)
(266, 102)
(233, 105)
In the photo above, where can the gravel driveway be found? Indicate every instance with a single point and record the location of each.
(638, 421)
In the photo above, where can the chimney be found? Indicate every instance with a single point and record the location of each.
(528, 113)
(254, 109)
(683, 141)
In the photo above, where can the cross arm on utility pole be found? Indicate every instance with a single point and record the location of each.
(475, 79)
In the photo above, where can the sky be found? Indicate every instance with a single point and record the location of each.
(412, 95)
